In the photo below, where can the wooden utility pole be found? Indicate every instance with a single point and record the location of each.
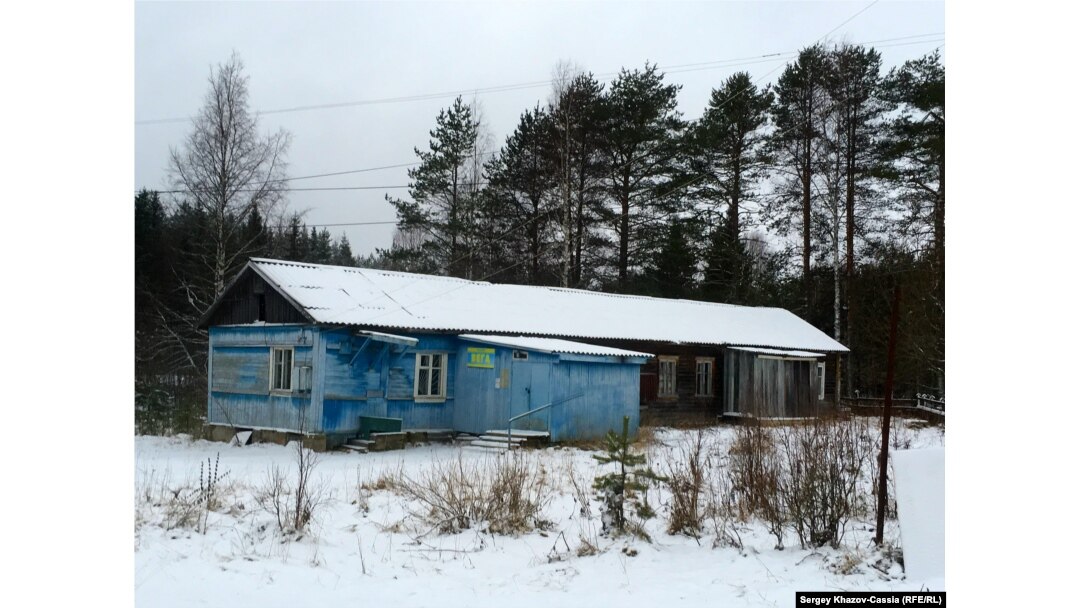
(886, 420)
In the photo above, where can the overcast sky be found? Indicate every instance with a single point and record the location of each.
(305, 54)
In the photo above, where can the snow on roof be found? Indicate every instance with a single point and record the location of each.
(379, 336)
(778, 353)
(340, 295)
(553, 345)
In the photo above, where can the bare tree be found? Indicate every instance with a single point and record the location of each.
(227, 172)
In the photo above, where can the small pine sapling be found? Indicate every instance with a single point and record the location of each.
(626, 486)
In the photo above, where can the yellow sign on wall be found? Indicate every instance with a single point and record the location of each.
(481, 357)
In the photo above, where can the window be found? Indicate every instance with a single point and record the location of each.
(821, 380)
(666, 386)
(430, 383)
(521, 355)
(281, 369)
(704, 377)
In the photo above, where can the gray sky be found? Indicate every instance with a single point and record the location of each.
(303, 54)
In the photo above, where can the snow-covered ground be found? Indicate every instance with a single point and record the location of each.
(364, 546)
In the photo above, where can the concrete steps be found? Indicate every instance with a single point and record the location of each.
(499, 440)
(487, 444)
(494, 440)
(363, 446)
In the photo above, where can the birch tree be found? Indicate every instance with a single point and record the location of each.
(227, 171)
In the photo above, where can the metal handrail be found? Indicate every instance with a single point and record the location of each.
(510, 422)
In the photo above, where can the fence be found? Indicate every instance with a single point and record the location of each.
(923, 406)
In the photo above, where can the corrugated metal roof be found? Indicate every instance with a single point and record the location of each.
(553, 345)
(779, 353)
(381, 298)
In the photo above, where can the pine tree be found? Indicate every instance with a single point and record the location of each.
(673, 270)
(256, 235)
(520, 201)
(728, 146)
(727, 275)
(321, 247)
(296, 241)
(626, 486)
(584, 100)
(854, 85)
(643, 129)
(575, 110)
(443, 201)
(343, 255)
(915, 151)
(800, 101)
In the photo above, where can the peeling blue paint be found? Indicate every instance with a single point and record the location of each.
(353, 376)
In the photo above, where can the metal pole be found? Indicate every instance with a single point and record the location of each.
(886, 419)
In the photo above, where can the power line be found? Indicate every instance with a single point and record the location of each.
(248, 190)
(367, 169)
(349, 172)
(306, 225)
(675, 69)
(319, 189)
(848, 20)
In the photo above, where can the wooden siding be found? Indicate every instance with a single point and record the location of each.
(249, 300)
(346, 379)
(239, 370)
(770, 387)
(606, 389)
(729, 386)
(379, 382)
(685, 374)
(609, 392)
(353, 376)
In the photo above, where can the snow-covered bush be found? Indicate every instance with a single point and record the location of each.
(686, 469)
(810, 478)
(755, 476)
(293, 505)
(506, 495)
(825, 463)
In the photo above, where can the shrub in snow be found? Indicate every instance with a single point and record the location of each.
(293, 506)
(505, 496)
(190, 507)
(809, 478)
(686, 471)
(755, 477)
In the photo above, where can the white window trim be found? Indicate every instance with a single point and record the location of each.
(674, 376)
(821, 380)
(441, 397)
(292, 370)
(697, 381)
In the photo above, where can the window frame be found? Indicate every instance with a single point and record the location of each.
(274, 350)
(443, 368)
(711, 361)
(660, 361)
(821, 380)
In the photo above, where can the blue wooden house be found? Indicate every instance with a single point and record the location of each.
(316, 350)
